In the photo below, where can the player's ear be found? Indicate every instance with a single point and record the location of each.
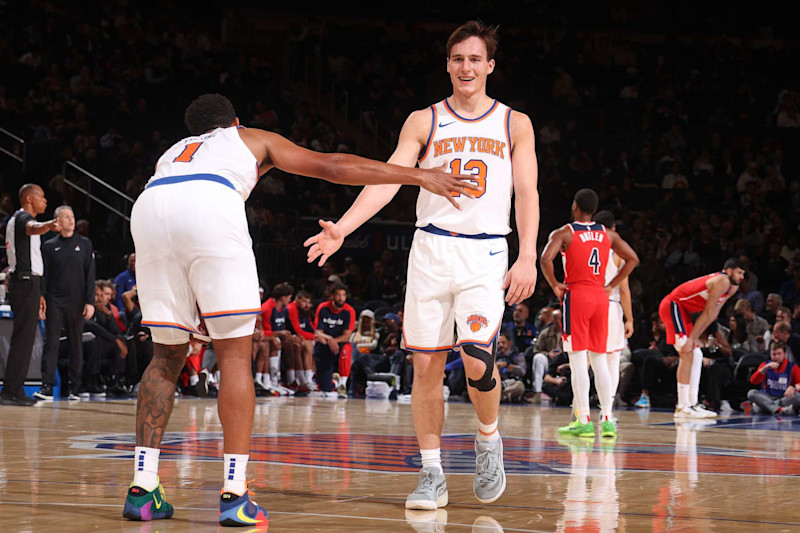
(236, 122)
(491, 66)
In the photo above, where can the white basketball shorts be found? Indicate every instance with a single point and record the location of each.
(454, 286)
(616, 327)
(193, 249)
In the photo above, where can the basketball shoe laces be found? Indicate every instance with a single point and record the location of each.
(487, 465)
(426, 483)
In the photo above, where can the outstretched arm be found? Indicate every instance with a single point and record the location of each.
(374, 197)
(521, 278)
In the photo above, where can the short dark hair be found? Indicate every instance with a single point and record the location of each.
(507, 334)
(208, 112)
(605, 218)
(282, 289)
(302, 294)
(777, 345)
(733, 262)
(475, 28)
(337, 286)
(587, 201)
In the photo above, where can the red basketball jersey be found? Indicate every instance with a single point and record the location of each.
(586, 257)
(692, 295)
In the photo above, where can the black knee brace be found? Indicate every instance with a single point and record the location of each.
(487, 382)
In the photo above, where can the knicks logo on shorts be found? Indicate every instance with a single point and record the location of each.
(477, 322)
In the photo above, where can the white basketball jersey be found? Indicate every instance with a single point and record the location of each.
(479, 146)
(220, 152)
(611, 273)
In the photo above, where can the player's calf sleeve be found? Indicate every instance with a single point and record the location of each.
(694, 377)
(579, 370)
(602, 382)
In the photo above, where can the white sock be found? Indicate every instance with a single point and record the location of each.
(309, 376)
(694, 379)
(432, 458)
(259, 377)
(194, 380)
(145, 468)
(488, 432)
(235, 473)
(343, 381)
(266, 382)
(683, 395)
(579, 370)
(290, 377)
(613, 369)
(602, 382)
(275, 368)
(216, 376)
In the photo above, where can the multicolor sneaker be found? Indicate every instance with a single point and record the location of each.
(608, 429)
(237, 511)
(643, 402)
(578, 429)
(143, 505)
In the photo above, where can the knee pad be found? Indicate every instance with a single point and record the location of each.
(487, 382)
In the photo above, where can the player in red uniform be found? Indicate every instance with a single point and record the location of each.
(704, 295)
(584, 247)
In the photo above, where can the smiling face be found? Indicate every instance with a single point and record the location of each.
(468, 66)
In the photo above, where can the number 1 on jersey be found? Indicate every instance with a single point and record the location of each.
(188, 153)
(480, 176)
(594, 261)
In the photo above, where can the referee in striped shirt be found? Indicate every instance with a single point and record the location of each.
(23, 248)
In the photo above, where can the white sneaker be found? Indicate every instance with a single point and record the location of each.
(700, 408)
(725, 407)
(331, 394)
(285, 391)
(688, 412)
(316, 394)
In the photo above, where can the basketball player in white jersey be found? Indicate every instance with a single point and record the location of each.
(619, 307)
(196, 273)
(458, 262)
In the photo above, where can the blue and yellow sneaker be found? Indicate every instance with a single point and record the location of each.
(143, 505)
(239, 511)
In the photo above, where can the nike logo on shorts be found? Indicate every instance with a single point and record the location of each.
(495, 253)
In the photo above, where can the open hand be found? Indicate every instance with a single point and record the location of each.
(325, 243)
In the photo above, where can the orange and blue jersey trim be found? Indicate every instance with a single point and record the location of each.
(471, 120)
(411, 348)
(431, 134)
(482, 344)
(508, 132)
(170, 325)
(235, 312)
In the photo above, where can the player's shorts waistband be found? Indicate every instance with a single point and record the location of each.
(430, 228)
(169, 180)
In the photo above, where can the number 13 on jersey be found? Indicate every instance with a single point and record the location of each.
(479, 177)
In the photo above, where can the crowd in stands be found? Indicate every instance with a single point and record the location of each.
(687, 136)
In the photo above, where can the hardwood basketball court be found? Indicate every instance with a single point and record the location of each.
(348, 465)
